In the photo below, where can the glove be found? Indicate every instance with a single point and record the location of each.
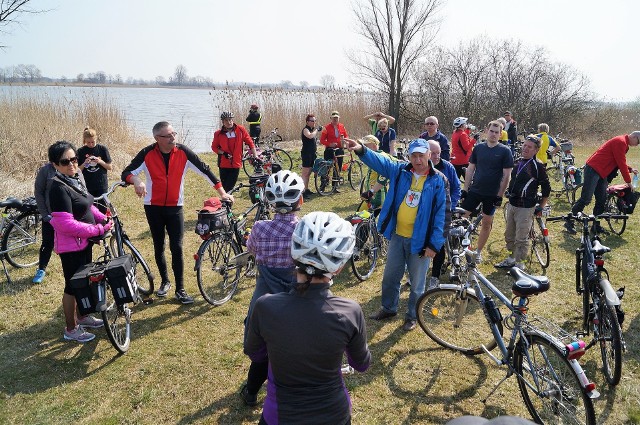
(367, 195)
(498, 201)
(320, 128)
(463, 194)
(538, 211)
(227, 155)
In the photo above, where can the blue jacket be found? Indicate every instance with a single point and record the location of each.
(428, 230)
(445, 150)
(449, 171)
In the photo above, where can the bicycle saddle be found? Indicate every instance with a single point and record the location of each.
(11, 203)
(526, 284)
(598, 248)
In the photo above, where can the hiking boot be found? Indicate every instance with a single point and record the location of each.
(39, 276)
(434, 282)
(569, 228)
(164, 288)
(248, 398)
(409, 325)
(183, 297)
(90, 322)
(506, 263)
(381, 315)
(78, 334)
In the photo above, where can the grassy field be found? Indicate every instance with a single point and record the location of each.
(186, 365)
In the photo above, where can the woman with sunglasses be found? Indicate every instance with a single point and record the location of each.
(308, 154)
(74, 219)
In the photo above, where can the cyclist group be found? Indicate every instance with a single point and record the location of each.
(297, 258)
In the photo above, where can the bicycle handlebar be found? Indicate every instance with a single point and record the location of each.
(113, 187)
(586, 217)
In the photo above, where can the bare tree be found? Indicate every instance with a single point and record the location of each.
(303, 84)
(11, 10)
(327, 81)
(179, 76)
(397, 35)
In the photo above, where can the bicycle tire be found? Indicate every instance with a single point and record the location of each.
(365, 254)
(610, 344)
(617, 225)
(562, 398)
(539, 246)
(217, 279)
(145, 277)
(22, 239)
(438, 312)
(324, 184)
(282, 158)
(354, 174)
(117, 322)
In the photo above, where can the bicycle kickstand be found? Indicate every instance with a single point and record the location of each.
(4, 267)
(484, 400)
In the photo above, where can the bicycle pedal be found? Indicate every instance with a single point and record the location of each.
(147, 301)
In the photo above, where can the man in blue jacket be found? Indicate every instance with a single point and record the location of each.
(412, 218)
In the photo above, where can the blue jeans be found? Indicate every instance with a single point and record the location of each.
(400, 256)
(593, 185)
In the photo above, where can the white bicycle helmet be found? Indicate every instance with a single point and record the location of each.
(283, 190)
(226, 114)
(323, 240)
(460, 121)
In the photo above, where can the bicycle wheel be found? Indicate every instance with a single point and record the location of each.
(282, 158)
(323, 180)
(365, 254)
(248, 165)
(455, 321)
(355, 175)
(22, 239)
(550, 387)
(117, 322)
(617, 225)
(144, 277)
(610, 340)
(217, 279)
(539, 246)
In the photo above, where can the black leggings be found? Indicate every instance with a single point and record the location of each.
(229, 177)
(171, 219)
(47, 245)
(71, 263)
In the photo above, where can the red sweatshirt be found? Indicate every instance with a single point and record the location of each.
(610, 155)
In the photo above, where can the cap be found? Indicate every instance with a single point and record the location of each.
(370, 139)
(419, 146)
(507, 113)
(253, 106)
(212, 204)
(335, 114)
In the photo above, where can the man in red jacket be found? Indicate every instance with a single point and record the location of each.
(227, 143)
(332, 138)
(609, 158)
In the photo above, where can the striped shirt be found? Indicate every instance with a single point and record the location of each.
(270, 240)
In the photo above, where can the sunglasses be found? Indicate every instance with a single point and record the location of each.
(66, 161)
(168, 136)
(429, 123)
(311, 120)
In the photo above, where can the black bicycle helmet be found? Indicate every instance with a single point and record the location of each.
(226, 114)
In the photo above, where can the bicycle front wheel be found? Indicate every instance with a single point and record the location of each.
(617, 225)
(282, 158)
(455, 320)
(324, 179)
(144, 277)
(610, 340)
(355, 175)
(539, 245)
(217, 279)
(365, 254)
(117, 321)
(22, 239)
(550, 387)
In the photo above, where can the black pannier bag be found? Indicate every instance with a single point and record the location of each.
(89, 293)
(208, 221)
(121, 274)
(257, 183)
(628, 200)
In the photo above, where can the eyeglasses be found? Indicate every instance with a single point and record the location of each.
(429, 123)
(66, 161)
(169, 136)
(311, 120)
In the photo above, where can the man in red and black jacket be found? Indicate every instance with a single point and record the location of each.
(164, 165)
(227, 143)
(331, 138)
(610, 156)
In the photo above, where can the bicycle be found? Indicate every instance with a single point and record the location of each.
(224, 238)
(541, 355)
(328, 178)
(616, 206)
(402, 151)
(369, 243)
(20, 233)
(539, 236)
(564, 170)
(461, 229)
(269, 160)
(120, 243)
(270, 139)
(601, 304)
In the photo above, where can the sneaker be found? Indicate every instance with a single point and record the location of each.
(519, 265)
(78, 334)
(506, 263)
(569, 228)
(409, 325)
(164, 288)
(248, 398)
(39, 276)
(183, 297)
(382, 314)
(307, 192)
(90, 322)
(434, 282)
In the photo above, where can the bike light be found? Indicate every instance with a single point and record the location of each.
(545, 232)
(196, 257)
(434, 312)
(590, 386)
(599, 262)
(96, 277)
(572, 170)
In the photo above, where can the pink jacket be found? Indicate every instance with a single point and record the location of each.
(72, 235)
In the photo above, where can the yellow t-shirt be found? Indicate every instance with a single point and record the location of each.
(409, 207)
(504, 137)
(544, 145)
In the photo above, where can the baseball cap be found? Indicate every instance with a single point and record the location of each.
(212, 204)
(335, 114)
(253, 106)
(507, 113)
(418, 145)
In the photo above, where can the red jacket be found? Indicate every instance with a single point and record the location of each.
(328, 135)
(233, 146)
(461, 147)
(611, 155)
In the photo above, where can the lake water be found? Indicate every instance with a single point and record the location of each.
(192, 112)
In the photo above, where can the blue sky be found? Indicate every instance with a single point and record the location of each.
(296, 40)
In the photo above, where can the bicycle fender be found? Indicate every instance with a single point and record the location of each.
(609, 293)
(470, 291)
